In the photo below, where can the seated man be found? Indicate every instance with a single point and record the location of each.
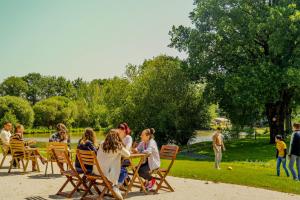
(6, 134)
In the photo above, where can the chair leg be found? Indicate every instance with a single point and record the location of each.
(22, 161)
(46, 169)
(52, 167)
(75, 188)
(10, 166)
(64, 185)
(3, 159)
(26, 165)
(18, 163)
(88, 189)
(37, 164)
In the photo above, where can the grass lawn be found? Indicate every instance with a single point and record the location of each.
(253, 163)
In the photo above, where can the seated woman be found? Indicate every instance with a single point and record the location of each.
(148, 146)
(124, 133)
(18, 136)
(109, 156)
(87, 142)
(61, 135)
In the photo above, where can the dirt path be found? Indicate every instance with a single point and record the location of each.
(17, 186)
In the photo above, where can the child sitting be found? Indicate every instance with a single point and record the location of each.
(149, 146)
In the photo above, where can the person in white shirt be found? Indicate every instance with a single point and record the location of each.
(6, 134)
(109, 157)
(149, 146)
(124, 133)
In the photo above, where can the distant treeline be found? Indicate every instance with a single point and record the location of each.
(157, 93)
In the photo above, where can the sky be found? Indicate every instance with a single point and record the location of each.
(85, 38)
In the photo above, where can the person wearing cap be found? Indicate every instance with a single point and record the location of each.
(294, 151)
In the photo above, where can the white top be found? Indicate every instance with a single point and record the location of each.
(110, 163)
(5, 136)
(127, 142)
(152, 149)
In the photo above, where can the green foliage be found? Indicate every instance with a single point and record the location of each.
(13, 86)
(247, 51)
(161, 96)
(16, 109)
(54, 110)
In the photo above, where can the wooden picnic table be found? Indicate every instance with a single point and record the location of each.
(135, 169)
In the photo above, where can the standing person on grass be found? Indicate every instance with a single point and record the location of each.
(149, 146)
(281, 153)
(294, 151)
(218, 147)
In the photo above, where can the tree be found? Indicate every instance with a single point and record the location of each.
(247, 51)
(161, 96)
(35, 84)
(49, 112)
(13, 86)
(16, 109)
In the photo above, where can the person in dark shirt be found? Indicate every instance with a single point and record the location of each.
(87, 142)
(61, 135)
(294, 151)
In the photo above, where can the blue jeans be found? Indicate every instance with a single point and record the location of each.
(294, 159)
(283, 161)
(123, 175)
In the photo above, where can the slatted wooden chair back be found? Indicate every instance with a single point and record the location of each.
(168, 152)
(17, 149)
(50, 157)
(61, 157)
(4, 151)
(87, 158)
(90, 158)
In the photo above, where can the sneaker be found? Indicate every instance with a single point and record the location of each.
(117, 192)
(151, 184)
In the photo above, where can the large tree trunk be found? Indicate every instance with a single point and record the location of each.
(279, 113)
(288, 121)
(276, 116)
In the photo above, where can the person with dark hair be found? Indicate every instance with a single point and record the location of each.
(19, 136)
(281, 153)
(5, 135)
(148, 146)
(61, 135)
(294, 151)
(124, 133)
(109, 155)
(218, 146)
(87, 142)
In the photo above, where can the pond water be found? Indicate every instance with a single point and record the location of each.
(202, 136)
(75, 136)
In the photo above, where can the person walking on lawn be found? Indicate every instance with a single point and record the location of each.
(294, 151)
(218, 147)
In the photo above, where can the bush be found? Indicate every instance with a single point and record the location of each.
(16, 110)
(54, 110)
